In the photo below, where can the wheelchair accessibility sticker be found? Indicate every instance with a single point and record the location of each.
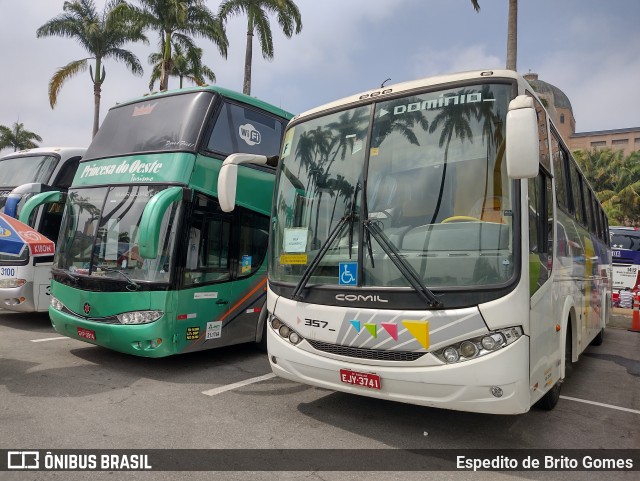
(348, 274)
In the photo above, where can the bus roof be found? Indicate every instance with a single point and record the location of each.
(231, 94)
(61, 151)
(407, 87)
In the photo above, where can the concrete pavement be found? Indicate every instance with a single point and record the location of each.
(621, 318)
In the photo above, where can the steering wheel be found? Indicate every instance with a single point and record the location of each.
(460, 218)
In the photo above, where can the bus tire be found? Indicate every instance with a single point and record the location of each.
(597, 341)
(262, 343)
(568, 351)
(551, 398)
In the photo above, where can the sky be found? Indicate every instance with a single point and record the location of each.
(590, 49)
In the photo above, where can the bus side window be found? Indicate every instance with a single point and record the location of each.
(67, 172)
(560, 172)
(253, 242)
(207, 256)
(242, 129)
(540, 230)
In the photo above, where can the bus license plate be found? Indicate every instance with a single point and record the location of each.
(87, 333)
(364, 379)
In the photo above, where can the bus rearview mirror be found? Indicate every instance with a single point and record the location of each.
(522, 145)
(228, 177)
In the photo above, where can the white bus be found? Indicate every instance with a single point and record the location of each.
(434, 243)
(625, 264)
(44, 172)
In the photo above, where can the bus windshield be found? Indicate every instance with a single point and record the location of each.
(625, 238)
(421, 176)
(23, 170)
(151, 125)
(101, 229)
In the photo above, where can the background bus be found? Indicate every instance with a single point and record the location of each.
(434, 243)
(45, 171)
(625, 252)
(146, 262)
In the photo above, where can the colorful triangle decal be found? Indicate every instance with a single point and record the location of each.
(391, 328)
(419, 330)
(356, 325)
(372, 328)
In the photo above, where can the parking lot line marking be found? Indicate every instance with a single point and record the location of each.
(49, 339)
(634, 411)
(229, 387)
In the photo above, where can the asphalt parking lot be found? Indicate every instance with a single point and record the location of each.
(61, 394)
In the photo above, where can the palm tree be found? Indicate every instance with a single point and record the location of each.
(512, 35)
(177, 21)
(17, 137)
(257, 12)
(101, 35)
(512, 32)
(453, 120)
(184, 65)
(615, 180)
(403, 124)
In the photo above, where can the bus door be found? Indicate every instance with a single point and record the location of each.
(250, 264)
(44, 212)
(206, 293)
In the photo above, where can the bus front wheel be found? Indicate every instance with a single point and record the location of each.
(262, 343)
(550, 399)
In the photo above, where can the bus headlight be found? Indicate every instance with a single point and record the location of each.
(285, 331)
(492, 342)
(451, 355)
(8, 283)
(56, 304)
(468, 349)
(139, 317)
(294, 338)
(478, 346)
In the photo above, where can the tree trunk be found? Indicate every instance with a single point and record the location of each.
(512, 35)
(96, 107)
(164, 69)
(97, 90)
(246, 88)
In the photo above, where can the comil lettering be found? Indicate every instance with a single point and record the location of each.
(360, 297)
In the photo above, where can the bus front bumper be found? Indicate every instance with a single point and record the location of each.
(18, 299)
(146, 340)
(466, 386)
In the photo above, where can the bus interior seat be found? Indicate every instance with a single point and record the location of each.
(489, 209)
(421, 198)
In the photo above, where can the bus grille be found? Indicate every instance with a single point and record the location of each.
(103, 320)
(360, 353)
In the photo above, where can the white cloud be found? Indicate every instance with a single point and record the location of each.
(600, 79)
(455, 59)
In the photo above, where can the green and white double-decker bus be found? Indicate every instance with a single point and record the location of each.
(146, 262)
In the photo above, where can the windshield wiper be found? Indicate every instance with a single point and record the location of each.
(403, 266)
(321, 253)
(373, 229)
(130, 282)
(349, 217)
